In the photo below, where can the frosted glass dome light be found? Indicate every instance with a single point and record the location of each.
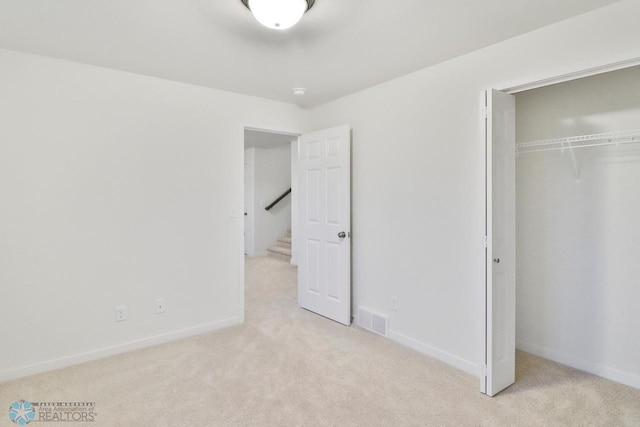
(278, 14)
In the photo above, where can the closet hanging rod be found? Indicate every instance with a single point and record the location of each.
(581, 141)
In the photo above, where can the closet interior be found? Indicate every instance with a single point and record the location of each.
(578, 223)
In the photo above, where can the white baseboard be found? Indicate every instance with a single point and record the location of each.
(88, 356)
(609, 373)
(436, 353)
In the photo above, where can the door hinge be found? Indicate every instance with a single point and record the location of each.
(485, 241)
(483, 370)
(485, 112)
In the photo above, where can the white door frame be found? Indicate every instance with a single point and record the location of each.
(294, 202)
(604, 68)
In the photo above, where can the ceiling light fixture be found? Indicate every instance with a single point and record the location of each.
(278, 14)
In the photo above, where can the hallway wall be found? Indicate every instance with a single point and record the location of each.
(272, 176)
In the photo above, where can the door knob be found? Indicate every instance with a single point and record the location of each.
(342, 234)
(496, 260)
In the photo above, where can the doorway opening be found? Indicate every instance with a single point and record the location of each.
(269, 159)
(575, 207)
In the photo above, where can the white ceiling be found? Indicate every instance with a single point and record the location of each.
(339, 47)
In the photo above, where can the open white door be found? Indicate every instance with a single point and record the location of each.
(501, 243)
(324, 226)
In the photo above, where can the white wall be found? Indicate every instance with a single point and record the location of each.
(579, 244)
(418, 176)
(117, 189)
(272, 178)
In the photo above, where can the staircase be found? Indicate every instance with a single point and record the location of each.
(282, 249)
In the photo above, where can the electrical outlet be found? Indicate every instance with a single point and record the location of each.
(160, 307)
(121, 313)
(394, 303)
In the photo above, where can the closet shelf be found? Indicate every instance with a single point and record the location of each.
(582, 141)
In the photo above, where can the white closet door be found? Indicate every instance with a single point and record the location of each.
(501, 243)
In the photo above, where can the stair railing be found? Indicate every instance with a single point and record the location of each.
(275, 202)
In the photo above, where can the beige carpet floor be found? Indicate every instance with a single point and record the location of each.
(286, 366)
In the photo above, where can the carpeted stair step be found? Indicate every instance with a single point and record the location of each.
(285, 240)
(282, 249)
(280, 252)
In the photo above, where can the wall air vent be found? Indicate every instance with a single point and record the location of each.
(373, 322)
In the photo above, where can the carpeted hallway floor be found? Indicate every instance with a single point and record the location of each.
(286, 366)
